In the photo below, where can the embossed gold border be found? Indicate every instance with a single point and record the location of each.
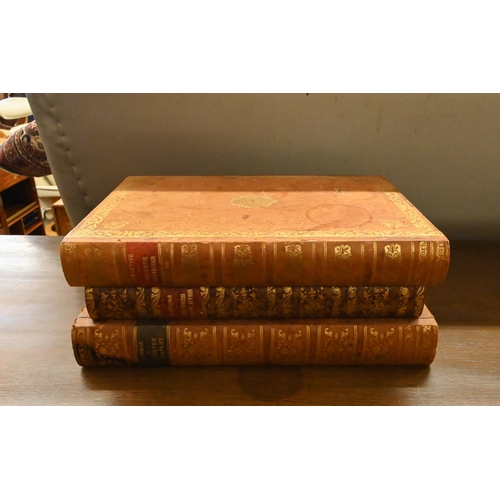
(90, 226)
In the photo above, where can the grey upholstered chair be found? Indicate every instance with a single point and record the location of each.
(94, 141)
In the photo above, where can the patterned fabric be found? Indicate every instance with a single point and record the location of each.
(23, 153)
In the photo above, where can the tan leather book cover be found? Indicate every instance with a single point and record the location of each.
(256, 231)
(255, 342)
(112, 303)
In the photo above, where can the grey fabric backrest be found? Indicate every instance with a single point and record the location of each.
(94, 141)
(440, 150)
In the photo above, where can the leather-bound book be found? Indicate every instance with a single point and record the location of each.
(255, 342)
(201, 303)
(255, 231)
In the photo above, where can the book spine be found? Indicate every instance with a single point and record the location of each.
(167, 303)
(299, 263)
(253, 343)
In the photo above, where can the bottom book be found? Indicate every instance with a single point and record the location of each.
(255, 342)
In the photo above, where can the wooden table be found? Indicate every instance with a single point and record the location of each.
(37, 366)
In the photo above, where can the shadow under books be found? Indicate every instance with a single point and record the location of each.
(328, 385)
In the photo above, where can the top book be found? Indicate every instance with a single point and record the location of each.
(255, 231)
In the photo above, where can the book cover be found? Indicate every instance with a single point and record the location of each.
(257, 231)
(255, 342)
(247, 302)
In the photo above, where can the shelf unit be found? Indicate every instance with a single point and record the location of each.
(61, 219)
(20, 211)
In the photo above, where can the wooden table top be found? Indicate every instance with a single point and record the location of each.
(37, 367)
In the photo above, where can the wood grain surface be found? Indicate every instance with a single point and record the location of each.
(37, 366)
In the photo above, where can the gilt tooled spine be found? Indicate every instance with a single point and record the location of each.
(197, 343)
(346, 263)
(165, 303)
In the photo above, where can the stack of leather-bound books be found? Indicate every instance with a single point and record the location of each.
(251, 270)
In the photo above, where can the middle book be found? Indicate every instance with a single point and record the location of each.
(266, 302)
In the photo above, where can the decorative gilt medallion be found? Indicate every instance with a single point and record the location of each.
(290, 344)
(69, 249)
(253, 201)
(293, 252)
(239, 343)
(337, 344)
(422, 250)
(190, 258)
(393, 252)
(193, 342)
(243, 256)
(107, 346)
(380, 345)
(440, 250)
(293, 256)
(243, 347)
(343, 252)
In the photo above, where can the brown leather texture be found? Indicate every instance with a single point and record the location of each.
(255, 342)
(113, 303)
(257, 231)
